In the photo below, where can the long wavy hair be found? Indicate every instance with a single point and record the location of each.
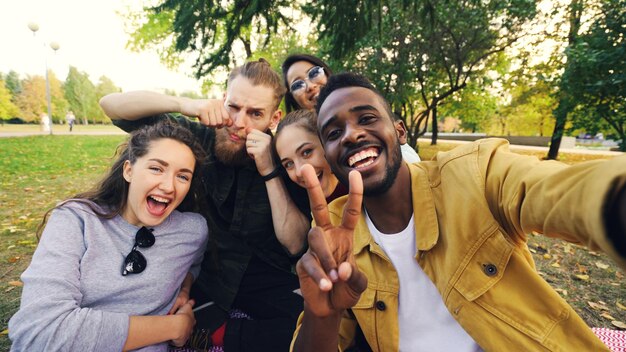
(109, 197)
(290, 101)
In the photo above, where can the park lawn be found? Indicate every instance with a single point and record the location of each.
(39, 171)
(56, 128)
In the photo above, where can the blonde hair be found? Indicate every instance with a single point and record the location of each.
(261, 73)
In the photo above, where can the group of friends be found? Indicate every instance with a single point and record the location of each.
(211, 232)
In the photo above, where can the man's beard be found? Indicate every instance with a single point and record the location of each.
(227, 152)
(395, 158)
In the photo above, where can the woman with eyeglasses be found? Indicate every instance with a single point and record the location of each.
(296, 141)
(114, 265)
(304, 77)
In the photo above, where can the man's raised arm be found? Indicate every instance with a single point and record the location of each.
(139, 104)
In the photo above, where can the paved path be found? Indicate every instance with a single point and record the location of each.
(424, 140)
(64, 132)
(543, 149)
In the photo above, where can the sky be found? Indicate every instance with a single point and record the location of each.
(92, 39)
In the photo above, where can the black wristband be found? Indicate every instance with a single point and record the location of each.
(272, 174)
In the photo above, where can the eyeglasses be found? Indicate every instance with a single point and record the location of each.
(135, 262)
(315, 75)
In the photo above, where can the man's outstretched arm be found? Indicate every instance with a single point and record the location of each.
(139, 104)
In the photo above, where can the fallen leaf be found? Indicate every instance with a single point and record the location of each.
(4, 332)
(581, 269)
(607, 316)
(547, 256)
(561, 291)
(16, 283)
(594, 253)
(619, 324)
(619, 275)
(567, 248)
(615, 284)
(27, 189)
(582, 277)
(13, 259)
(620, 306)
(11, 288)
(532, 250)
(556, 265)
(597, 306)
(602, 265)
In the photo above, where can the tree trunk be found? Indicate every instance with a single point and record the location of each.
(564, 107)
(560, 113)
(433, 140)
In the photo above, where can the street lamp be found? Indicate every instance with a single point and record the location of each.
(34, 27)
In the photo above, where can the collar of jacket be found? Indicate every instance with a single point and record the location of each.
(426, 224)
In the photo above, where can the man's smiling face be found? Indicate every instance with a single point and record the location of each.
(358, 134)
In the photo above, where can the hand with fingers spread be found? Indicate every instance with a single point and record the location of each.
(258, 146)
(210, 112)
(329, 279)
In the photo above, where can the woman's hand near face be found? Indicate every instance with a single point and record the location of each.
(259, 147)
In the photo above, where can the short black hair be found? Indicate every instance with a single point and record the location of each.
(346, 80)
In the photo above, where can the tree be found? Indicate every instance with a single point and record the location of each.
(105, 86)
(565, 101)
(532, 93)
(419, 49)
(57, 98)
(81, 95)
(595, 77)
(13, 83)
(32, 101)
(475, 106)
(7, 108)
(207, 30)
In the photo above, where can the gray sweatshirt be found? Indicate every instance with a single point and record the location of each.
(75, 297)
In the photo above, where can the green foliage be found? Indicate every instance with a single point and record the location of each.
(81, 95)
(595, 77)
(533, 98)
(13, 83)
(7, 108)
(105, 86)
(32, 99)
(208, 29)
(474, 106)
(153, 30)
(418, 52)
(57, 98)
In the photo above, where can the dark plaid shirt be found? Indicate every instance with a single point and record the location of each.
(238, 214)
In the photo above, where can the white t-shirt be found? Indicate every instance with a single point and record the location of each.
(408, 154)
(425, 323)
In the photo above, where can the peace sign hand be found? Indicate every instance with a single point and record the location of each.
(329, 279)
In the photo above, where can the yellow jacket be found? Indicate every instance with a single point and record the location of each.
(473, 208)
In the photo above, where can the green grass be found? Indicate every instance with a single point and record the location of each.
(32, 128)
(37, 172)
